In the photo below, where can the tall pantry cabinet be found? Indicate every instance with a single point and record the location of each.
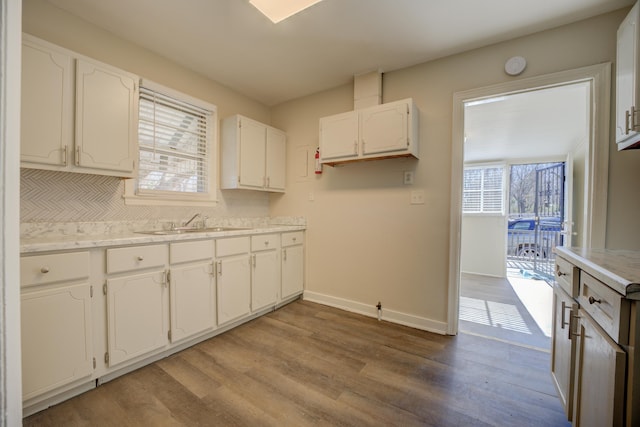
(77, 114)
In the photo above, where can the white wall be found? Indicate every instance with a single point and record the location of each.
(366, 243)
(484, 245)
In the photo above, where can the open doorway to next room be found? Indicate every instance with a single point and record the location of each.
(523, 155)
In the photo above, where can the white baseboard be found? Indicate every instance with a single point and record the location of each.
(371, 311)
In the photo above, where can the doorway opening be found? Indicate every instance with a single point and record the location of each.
(515, 203)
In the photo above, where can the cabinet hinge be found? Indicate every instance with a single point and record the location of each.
(168, 276)
(408, 142)
(91, 291)
(94, 363)
(239, 123)
(106, 358)
(77, 156)
(104, 288)
(238, 179)
(407, 109)
(169, 334)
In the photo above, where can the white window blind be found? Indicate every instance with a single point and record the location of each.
(174, 147)
(483, 190)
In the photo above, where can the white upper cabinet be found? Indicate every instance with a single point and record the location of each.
(106, 117)
(47, 99)
(383, 131)
(78, 115)
(253, 155)
(627, 88)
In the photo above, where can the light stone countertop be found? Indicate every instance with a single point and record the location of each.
(69, 242)
(618, 269)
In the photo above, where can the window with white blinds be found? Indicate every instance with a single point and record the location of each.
(483, 190)
(174, 139)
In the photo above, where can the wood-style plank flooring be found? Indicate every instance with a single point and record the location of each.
(490, 307)
(307, 364)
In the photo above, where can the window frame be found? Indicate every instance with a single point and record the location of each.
(134, 196)
(485, 166)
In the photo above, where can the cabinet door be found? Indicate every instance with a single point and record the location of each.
(276, 159)
(384, 129)
(627, 76)
(292, 270)
(265, 279)
(233, 288)
(252, 153)
(57, 343)
(600, 377)
(339, 137)
(192, 300)
(136, 315)
(563, 348)
(47, 105)
(106, 118)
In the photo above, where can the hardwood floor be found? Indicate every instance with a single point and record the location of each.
(490, 307)
(307, 364)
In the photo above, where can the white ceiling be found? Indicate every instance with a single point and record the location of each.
(324, 46)
(538, 124)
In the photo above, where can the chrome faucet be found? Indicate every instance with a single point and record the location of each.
(191, 220)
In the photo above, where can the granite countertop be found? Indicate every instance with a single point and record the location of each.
(618, 269)
(69, 242)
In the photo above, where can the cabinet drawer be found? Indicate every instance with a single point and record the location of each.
(42, 269)
(294, 238)
(264, 242)
(567, 276)
(190, 251)
(136, 258)
(233, 246)
(607, 307)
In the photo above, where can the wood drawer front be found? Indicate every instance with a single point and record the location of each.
(136, 258)
(607, 307)
(263, 242)
(190, 251)
(42, 269)
(567, 276)
(294, 238)
(232, 246)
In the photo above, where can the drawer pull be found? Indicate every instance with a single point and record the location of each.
(44, 270)
(592, 300)
(560, 273)
(294, 239)
(140, 258)
(266, 243)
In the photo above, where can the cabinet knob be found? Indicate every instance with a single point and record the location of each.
(266, 243)
(294, 239)
(560, 273)
(140, 258)
(44, 270)
(592, 300)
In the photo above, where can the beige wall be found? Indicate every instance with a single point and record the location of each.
(366, 243)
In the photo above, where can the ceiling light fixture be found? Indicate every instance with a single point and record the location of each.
(279, 10)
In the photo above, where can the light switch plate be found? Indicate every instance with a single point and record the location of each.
(408, 177)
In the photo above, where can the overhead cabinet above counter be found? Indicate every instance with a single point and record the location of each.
(253, 155)
(78, 115)
(628, 81)
(380, 132)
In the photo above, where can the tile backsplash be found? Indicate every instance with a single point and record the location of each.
(47, 196)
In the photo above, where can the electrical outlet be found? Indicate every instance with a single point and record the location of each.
(417, 197)
(408, 177)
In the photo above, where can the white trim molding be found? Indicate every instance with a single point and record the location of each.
(371, 311)
(599, 78)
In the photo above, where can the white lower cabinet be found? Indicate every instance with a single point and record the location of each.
(265, 275)
(233, 276)
(137, 302)
(136, 316)
(57, 346)
(292, 264)
(90, 316)
(56, 322)
(191, 289)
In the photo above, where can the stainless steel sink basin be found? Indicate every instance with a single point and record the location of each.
(189, 230)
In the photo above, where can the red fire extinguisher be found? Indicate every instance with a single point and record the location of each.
(318, 164)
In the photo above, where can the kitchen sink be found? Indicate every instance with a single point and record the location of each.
(190, 230)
